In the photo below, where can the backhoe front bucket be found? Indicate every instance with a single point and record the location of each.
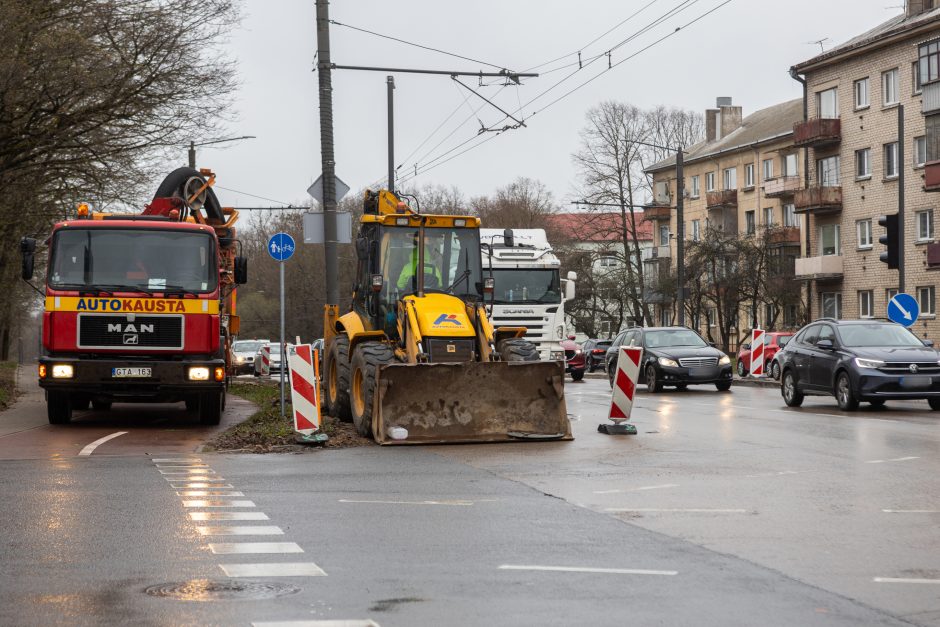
(470, 402)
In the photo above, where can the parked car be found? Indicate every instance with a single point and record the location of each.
(859, 361)
(773, 342)
(574, 358)
(243, 354)
(676, 356)
(594, 351)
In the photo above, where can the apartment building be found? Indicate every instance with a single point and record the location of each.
(861, 166)
(742, 178)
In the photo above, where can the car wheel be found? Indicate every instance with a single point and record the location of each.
(934, 404)
(653, 384)
(775, 370)
(845, 396)
(791, 395)
(577, 375)
(723, 386)
(741, 371)
(591, 367)
(610, 375)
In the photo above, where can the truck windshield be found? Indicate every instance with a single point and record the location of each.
(451, 261)
(526, 285)
(146, 260)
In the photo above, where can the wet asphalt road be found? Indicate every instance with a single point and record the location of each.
(725, 509)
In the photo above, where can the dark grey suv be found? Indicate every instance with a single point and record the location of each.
(859, 360)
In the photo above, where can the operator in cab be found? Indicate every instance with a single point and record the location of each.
(407, 280)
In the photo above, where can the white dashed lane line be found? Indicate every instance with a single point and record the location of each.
(319, 623)
(210, 493)
(900, 580)
(643, 489)
(911, 511)
(261, 530)
(588, 569)
(88, 450)
(207, 503)
(377, 502)
(896, 459)
(176, 460)
(615, 510)
(212, 516)
(284, 569)
(254, 548)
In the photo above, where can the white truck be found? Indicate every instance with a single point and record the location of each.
(528, 287)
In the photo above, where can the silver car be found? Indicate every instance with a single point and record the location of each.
(243, 354)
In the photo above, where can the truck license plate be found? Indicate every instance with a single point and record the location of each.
(130, 373)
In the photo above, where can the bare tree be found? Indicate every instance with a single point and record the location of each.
(523, 204)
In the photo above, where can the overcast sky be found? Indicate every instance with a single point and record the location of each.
(743, 49)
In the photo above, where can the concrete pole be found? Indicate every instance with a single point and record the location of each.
(390, 82)
(680, 235)
(901, 251)
(328, 165)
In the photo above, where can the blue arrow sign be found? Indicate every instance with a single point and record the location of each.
(281, 246)
(903, 309)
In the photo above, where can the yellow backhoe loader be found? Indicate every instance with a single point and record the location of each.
(415, 359)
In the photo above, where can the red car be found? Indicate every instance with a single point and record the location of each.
(574, 358)
(773, 342)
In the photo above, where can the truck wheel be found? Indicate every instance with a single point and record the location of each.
(59, 408)
(101, 405)
(210, 408)
(365, 362)
(337, 379)
(517, 349)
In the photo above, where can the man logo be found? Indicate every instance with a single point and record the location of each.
(130, 328)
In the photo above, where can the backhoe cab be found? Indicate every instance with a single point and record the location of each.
(416, 360)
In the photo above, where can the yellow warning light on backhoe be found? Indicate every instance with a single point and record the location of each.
(82, 210)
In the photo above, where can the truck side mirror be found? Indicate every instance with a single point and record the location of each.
(28, 250)
(241, 270)
(569, 290)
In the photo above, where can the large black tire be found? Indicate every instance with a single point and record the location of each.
(577, 375)
(517, 349)
(934, 404)
(653, 384)
(723, 386)
(791, 394)
(210, 408)
(367, 357)
(741, 371)
(845, 395)
(58, 408)
(611, 372)
(337, 379)
(775, 370)
(101, 405)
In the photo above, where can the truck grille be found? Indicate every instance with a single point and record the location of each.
(904, 368)
(130, 332)
(698, 362)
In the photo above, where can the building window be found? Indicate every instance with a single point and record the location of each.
(790, 218)
(889, 294)
(863, 229)
(608, 262)
(861, 94)
(696, 230)
(915, 73)
(750, 222)
(827, 103)
(920, 151)
(929, 62)
(926, 298)
(665, 317)
(661, 192)
(863, 163)
(790, 167)
(827, 171)
(696, 187)
(768, 216)
(831, 304)
(891, 160)
(829, 239)
(664, 235)
(605, 328)
(730, 178)
(709, 181)
(768, 165)
(889, 87)
(924, 221)
(710, 317)
(749, 175)
(790, 315)
(866, 304)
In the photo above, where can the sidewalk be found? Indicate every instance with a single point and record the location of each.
(29, 410)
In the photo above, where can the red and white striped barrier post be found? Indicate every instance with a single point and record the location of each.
(757, 353)
(621, 402)
(305, 393)
(266, 360)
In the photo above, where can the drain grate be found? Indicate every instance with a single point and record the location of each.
(206, 590)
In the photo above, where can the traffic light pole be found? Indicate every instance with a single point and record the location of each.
(901, 199)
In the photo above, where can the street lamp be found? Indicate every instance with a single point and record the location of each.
(192, 146)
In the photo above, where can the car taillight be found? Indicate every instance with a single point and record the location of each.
(598, 351)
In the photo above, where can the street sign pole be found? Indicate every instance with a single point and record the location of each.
(283, 347)
(281, 248)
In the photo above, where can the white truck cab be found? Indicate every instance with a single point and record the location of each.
(528, 290)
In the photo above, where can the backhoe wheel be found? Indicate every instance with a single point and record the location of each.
(59, 408)
(210, 407)
(365, 362)
(517, 349)
(337, 378)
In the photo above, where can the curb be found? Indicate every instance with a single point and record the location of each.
(759, 383)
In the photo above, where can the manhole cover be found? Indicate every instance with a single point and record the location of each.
(205, 590)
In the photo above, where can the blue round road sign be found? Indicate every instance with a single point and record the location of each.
(903, 309)
(281, 246)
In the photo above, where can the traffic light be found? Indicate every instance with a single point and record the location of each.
(890, 240)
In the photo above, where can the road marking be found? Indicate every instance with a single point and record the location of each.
(580, 569)
(210, 493)
(244, 548)
(457, 502)
(649, 487)
(779, 474)
(207, 479)
(911, 511)
(289, 569)
(168, 460)
(85, 452)
(319, 623)
(896, 459)
(181, 466)
(211, 486)
(218, 504)
(691, 510)
(192, 471)
(209, 516)
(240, 531)
(896, 580)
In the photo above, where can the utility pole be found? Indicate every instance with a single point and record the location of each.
(328, 165)
(901, 199)
(390, 82)
(680, 235)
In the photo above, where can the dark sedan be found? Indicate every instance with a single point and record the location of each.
(594, 351)
(676, 356)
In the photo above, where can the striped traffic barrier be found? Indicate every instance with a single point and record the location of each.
(266, 360)
(305, 392)
(757, 353)
(621, 402)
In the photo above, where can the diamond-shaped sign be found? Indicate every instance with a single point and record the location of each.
(316, 190)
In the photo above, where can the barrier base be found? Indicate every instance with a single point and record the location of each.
(618, 429)
(313, 438)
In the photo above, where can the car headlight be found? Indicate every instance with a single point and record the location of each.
(669, 363)
(62, 371)
(577, 351)
(869, 363)
(199, 373)
(724, 361)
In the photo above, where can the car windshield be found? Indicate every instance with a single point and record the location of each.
(878, 334)
(246, 346)
(678, 337)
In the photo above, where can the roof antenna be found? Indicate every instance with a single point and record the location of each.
(820, 42)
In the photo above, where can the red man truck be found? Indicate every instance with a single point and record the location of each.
(141, 308)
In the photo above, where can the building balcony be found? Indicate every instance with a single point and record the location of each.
(818, 200)
(656, 253)
(722, 199)
(932, 176)
(657, 212)
(819, 268)
(782, 186)
(784, 236)
(818, 132)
